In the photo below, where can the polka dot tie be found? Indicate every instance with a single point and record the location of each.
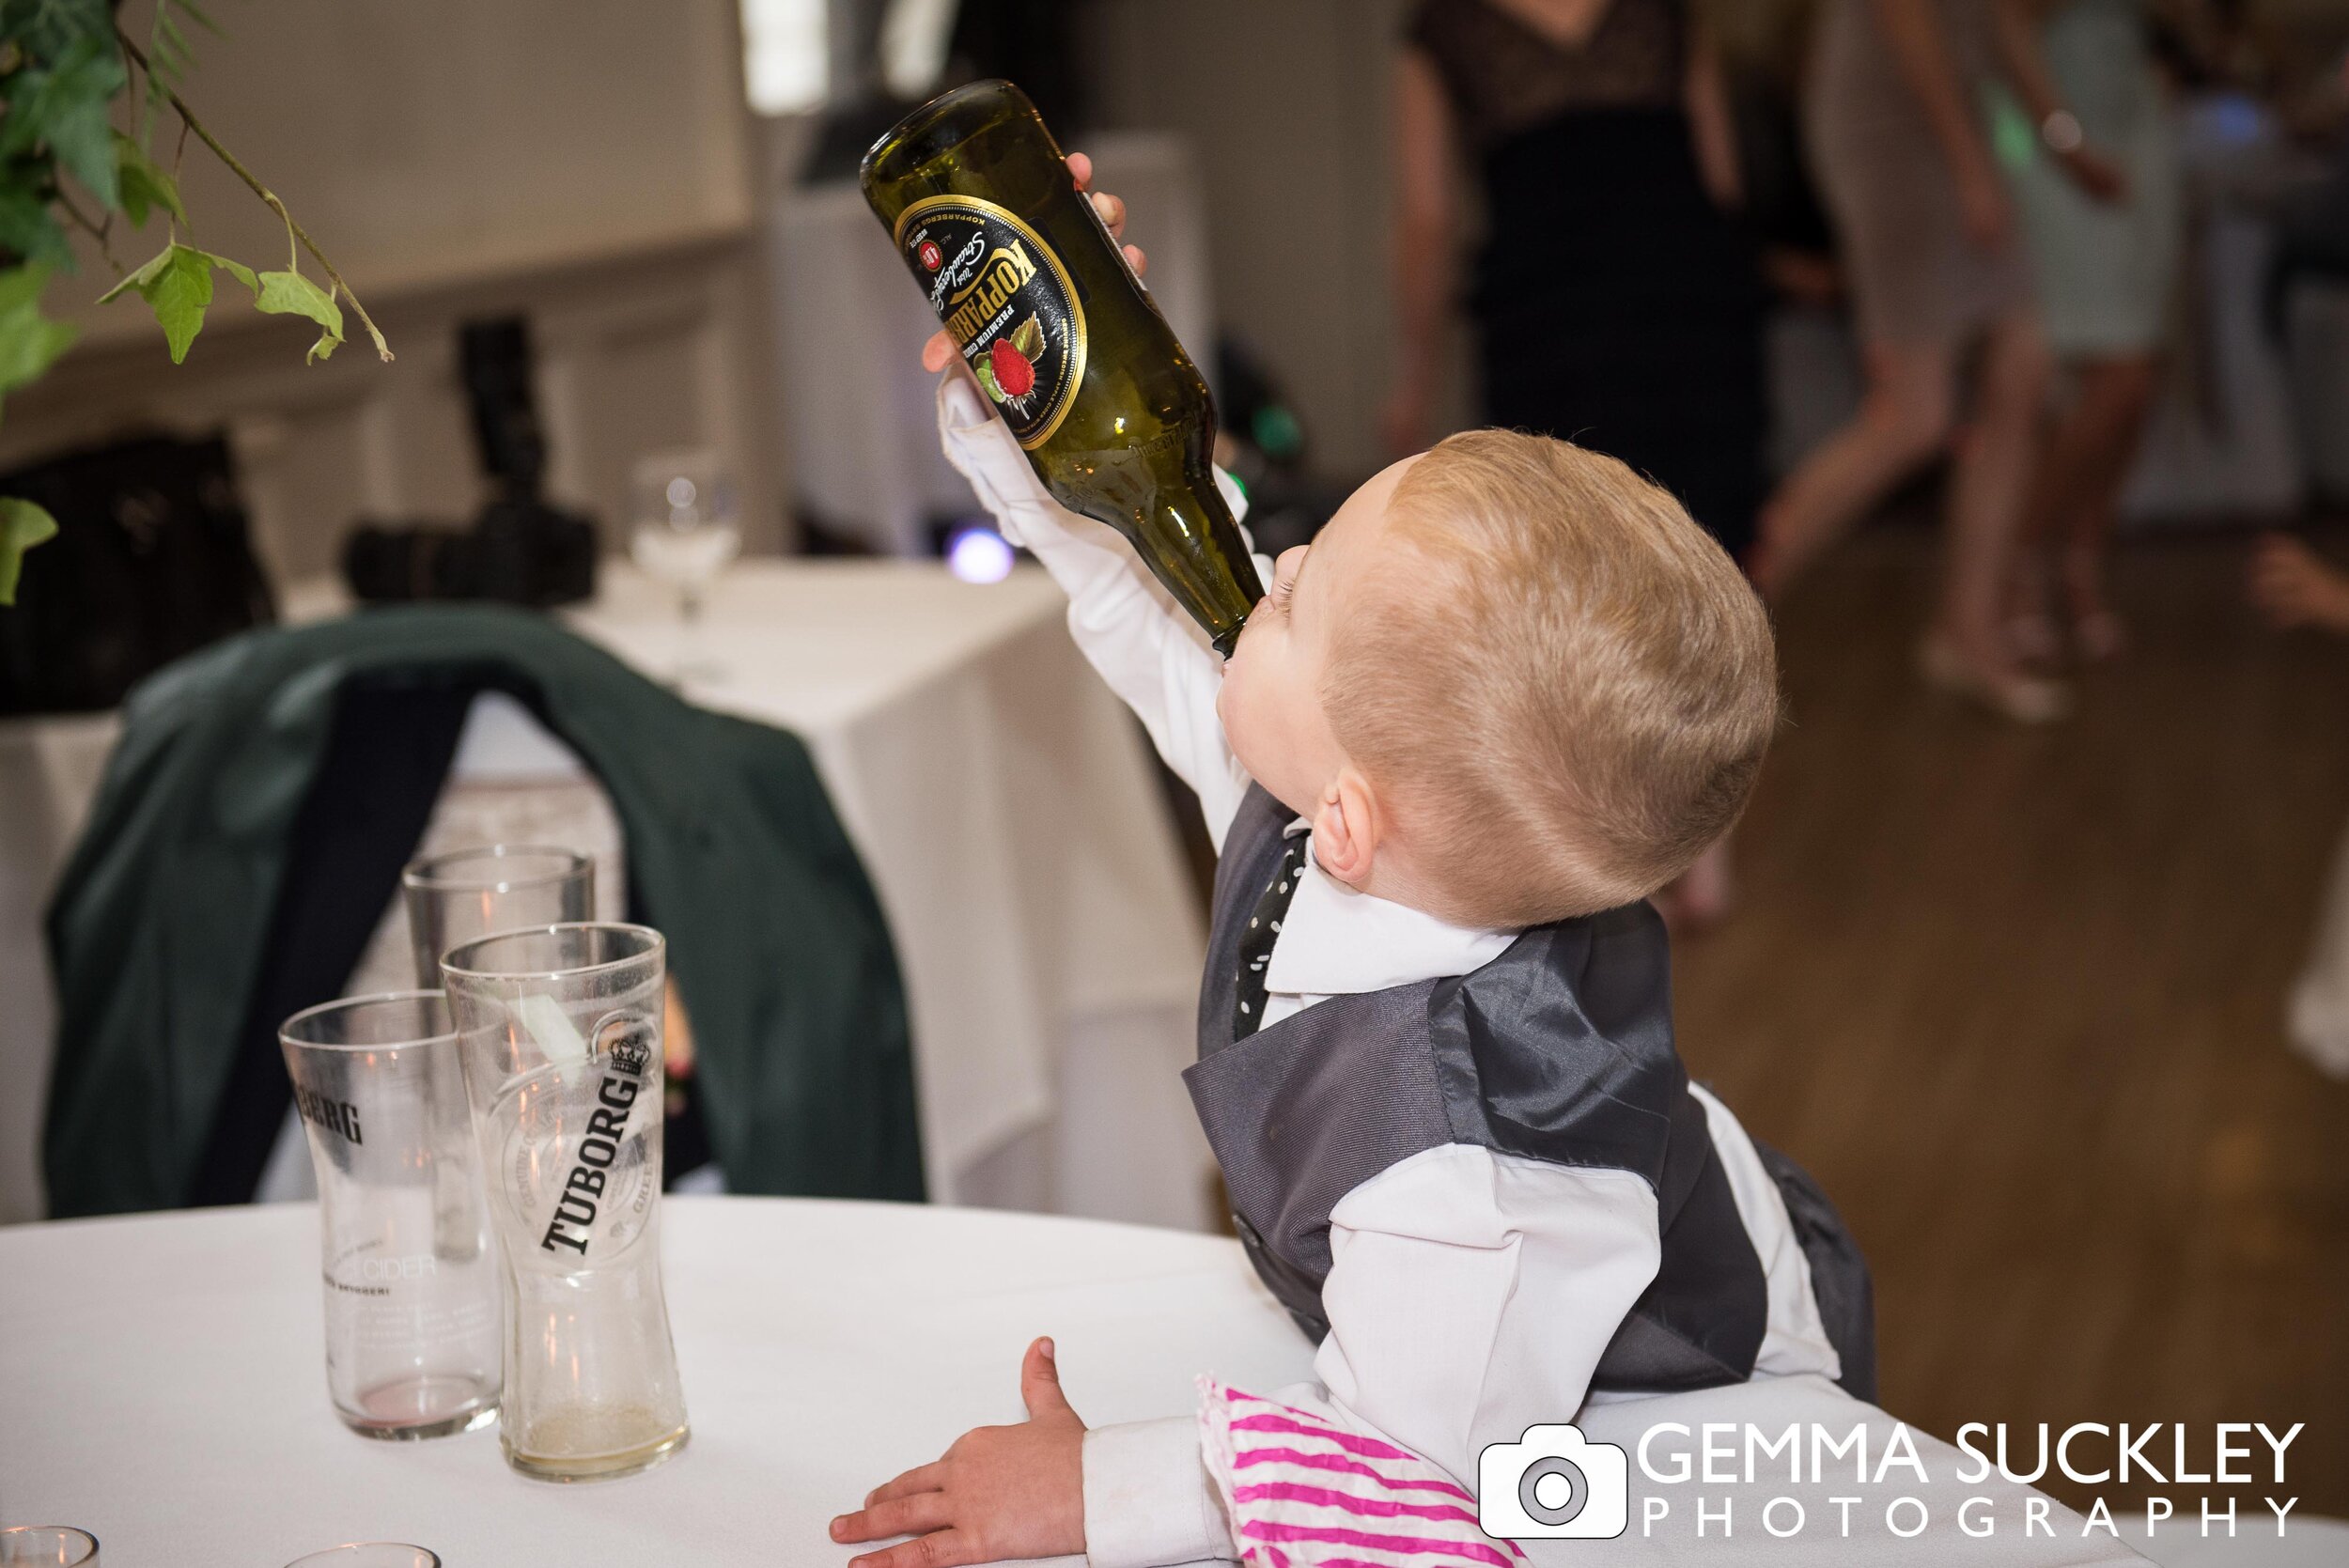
(1264, 928)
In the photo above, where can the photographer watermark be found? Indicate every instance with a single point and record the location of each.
(1556, 1484)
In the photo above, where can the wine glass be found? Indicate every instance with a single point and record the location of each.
(686, 530)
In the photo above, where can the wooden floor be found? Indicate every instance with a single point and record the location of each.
(2015, 999)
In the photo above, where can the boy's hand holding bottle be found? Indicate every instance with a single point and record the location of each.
(1027, 276)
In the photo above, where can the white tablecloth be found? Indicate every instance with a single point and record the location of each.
(1004, 804)
(49, 771)
(163, 1386)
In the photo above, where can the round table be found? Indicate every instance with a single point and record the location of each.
(163, 1386)
(163, 1381)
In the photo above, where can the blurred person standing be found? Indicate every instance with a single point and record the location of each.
(2092, 160)
(2294, 587)
(1928, 242)
(1615, 301)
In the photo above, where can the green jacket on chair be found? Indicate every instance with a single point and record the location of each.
(804, 1062)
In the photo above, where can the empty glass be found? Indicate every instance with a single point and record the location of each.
(687, 531)
(49, 1546)
(455, 898)
(411, 1288)
(559, 1029)
(369, 1554)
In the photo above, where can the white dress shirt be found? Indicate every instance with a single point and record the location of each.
(1470, 1293)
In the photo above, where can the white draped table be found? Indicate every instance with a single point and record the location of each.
(1004, 804)
(161, 1385)
(1002, 799)
(163, 1381)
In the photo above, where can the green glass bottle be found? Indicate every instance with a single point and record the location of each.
(1071, 350)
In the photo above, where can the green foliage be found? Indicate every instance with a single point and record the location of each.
(64, 68)
(46, 29)
(29, 341)
(59, 73)
(27, 229)
(30, 344)
(289, 293)
(22, 525)
(177, 285)
(145, 186)
(63, 106)
(170, 58)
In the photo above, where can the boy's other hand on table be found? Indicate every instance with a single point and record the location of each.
(1000, 1492)
(939, 352)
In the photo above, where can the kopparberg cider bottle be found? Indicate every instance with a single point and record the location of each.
(1064, 340)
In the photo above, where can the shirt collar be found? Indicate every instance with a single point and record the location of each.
(1336, 941)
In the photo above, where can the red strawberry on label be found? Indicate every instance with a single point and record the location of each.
(1013, 372)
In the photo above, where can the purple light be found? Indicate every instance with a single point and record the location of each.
(977, 554)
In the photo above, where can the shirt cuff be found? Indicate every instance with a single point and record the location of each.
(1148, 1498)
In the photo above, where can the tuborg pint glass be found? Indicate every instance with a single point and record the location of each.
(559, 1028)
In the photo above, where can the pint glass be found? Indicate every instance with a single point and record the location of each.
(411, 1287)
(465, 893)
(559, 1029)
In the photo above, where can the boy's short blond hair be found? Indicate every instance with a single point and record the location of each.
(1562, 683)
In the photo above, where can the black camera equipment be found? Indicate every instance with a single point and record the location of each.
(518, 549)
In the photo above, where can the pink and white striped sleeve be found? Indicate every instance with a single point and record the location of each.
(1301, 1492)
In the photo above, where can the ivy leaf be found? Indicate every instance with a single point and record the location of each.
(177, 285)
(292, 294)
(29, 341)
(30, 229)
(1028, 338)
(140, 279)
(236, 270)
(66, 105)
(48, 28)
(22, 286)
(22, 525)
(145, 186)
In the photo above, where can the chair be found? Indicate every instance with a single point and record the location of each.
(251, 828)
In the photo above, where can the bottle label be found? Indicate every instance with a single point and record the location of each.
(1007, 303)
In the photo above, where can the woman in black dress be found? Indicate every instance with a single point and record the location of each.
(1614, 300)
(1614, 303)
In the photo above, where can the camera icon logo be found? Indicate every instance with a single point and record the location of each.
(1554, 1485)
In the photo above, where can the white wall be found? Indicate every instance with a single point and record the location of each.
(586, 163)
(635, 355)
(425, 140)
(1286, 103)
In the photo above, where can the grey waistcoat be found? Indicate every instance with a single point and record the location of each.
(1560, 1050)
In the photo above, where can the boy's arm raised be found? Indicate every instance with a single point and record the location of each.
(1151, 654)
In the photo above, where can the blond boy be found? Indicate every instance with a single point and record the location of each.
(1508, 692)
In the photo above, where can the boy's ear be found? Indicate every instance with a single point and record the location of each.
(1347, 827)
